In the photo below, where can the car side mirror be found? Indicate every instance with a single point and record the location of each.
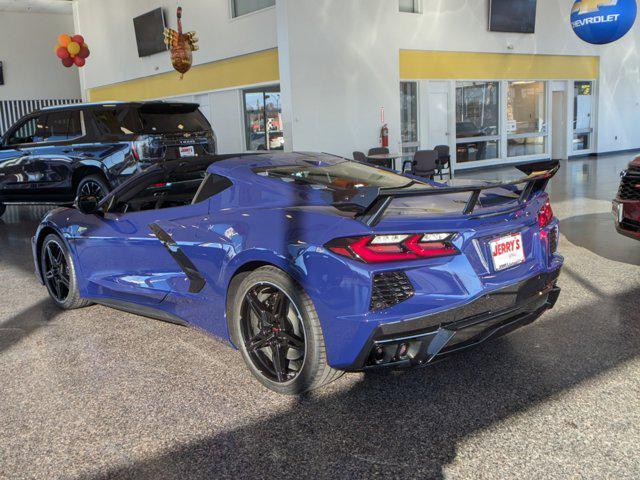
(88, 204)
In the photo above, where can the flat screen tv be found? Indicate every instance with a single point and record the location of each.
(516, 16)
(149, 28)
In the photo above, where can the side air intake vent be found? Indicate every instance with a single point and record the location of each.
(553, 240)
(390, 288)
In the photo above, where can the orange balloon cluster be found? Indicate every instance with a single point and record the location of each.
(72, 50)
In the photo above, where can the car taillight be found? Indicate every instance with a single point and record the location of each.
(144, 149)
(545, 215)
(394, 248)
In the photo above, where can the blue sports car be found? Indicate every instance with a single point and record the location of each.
(310, 264)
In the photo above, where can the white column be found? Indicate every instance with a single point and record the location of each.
(286, 100)
(78, 30)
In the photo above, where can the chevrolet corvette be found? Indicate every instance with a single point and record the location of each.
(311, 265)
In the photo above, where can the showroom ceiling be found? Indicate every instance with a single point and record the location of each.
(36, 6)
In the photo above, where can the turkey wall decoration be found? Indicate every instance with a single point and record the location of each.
(181, 46)
(71, 50)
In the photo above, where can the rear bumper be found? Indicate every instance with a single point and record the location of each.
(432, 337)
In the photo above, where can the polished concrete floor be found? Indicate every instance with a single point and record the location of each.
(98, 394)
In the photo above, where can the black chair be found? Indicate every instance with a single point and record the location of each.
(444, 158)
(359, 157)
(424, 164)
(380, 151)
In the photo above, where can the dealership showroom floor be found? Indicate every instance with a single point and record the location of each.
(95, 393)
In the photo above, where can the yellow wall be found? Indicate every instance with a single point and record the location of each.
(416, 64)
(249, 69)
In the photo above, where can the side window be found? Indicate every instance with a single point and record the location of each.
(28, 132)
(56, 125)
(174, 190)
(75, 125)
(211, 185)
(60, 126)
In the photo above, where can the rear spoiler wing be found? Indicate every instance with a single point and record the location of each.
(372, 202)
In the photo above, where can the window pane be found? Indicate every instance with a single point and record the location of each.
(75, 128)
(56, 126)
(275, 137)
(409, 111)
(344, 175)
(172, 118)
(477, 109)
(526, 108)
(517, 147)
(26, 133)
(477, 150)
(410, 6)
(242, 7)
(263, 119)
(117, 122)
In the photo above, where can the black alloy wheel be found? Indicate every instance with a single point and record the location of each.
(93, 186)
(56, 271)
(273, 333)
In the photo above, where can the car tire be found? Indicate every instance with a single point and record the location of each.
(93, 185)
(313, 370)
(56, 261)
(3, 208)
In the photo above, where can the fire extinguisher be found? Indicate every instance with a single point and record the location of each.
(384, 136)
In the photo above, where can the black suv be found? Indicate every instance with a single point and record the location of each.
(55, 154)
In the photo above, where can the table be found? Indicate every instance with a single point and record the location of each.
(384, 160)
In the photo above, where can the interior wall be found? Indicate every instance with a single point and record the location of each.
(108, 29)
(342, 70)
(31, 68)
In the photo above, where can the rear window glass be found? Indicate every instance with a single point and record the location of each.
(348, 175)
(117, 121)
(173, 122)
(502, 197)
(345, 175)
(150, 119)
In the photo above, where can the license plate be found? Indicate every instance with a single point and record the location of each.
(507, 251)
(618, 211)
(187, 151)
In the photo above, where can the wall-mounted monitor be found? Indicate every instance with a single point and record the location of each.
(149, 32)
(1, 75)
(516, 16)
